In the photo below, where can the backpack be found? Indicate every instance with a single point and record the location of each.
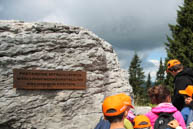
(103, 124)
(163, 119)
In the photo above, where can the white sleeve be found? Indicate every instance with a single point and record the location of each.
(179, 127)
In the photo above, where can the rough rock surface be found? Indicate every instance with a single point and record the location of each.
(138, 110)
(54, 46)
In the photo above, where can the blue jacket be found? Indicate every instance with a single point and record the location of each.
(185, 113)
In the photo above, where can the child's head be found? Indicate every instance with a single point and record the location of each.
(187, 94)
(159, 94)
(114, 109)
(141, 122)
(174, 66)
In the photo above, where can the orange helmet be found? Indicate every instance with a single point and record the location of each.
(113, 102)
(172, 63)
(188, 91)
(141, 121)
(125, 98)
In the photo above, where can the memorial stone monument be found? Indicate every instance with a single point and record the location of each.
(54, 46)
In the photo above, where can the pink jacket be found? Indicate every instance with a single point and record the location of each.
(165, 107)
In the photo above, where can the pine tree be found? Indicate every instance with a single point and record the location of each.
(137, 76)
(160, 75)
(180, 46)
(148, 83)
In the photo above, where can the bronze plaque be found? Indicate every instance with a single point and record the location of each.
(48, 79)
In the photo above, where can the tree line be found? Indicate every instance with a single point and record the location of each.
(178, 46)
(138, 82)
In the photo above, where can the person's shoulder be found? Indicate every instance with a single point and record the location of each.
(185, 72)
(182, 78)
(188, 70)
(185, 110)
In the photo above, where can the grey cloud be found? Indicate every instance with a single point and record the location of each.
(129, 25)
(25, 10)
(125, 57)
(126, 24)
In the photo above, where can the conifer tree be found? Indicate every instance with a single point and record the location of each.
(136, 78)
(148, 83)
(180, 45)
(160, 75)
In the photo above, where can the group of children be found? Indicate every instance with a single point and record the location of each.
(116, 110)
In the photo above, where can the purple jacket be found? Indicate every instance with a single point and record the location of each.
(165, 107)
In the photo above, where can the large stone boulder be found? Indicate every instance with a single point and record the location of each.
(54, 46)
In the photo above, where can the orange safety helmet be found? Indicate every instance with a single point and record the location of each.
(113, 102)
(141, 121)
(172, 63)
(188, 91)
(125, 98)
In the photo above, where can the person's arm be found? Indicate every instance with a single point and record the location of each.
(178, 116)
(179, 127)
(185, 112)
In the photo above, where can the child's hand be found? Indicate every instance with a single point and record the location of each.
(173, 123)
(190, 125)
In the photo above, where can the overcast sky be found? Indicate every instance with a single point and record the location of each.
(129, 25)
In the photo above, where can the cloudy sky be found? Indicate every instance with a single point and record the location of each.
(129, 25)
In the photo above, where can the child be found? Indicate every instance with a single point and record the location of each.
(115, 111)
(125, 99)
(141, 122)
(161, 95)
(186, 111)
